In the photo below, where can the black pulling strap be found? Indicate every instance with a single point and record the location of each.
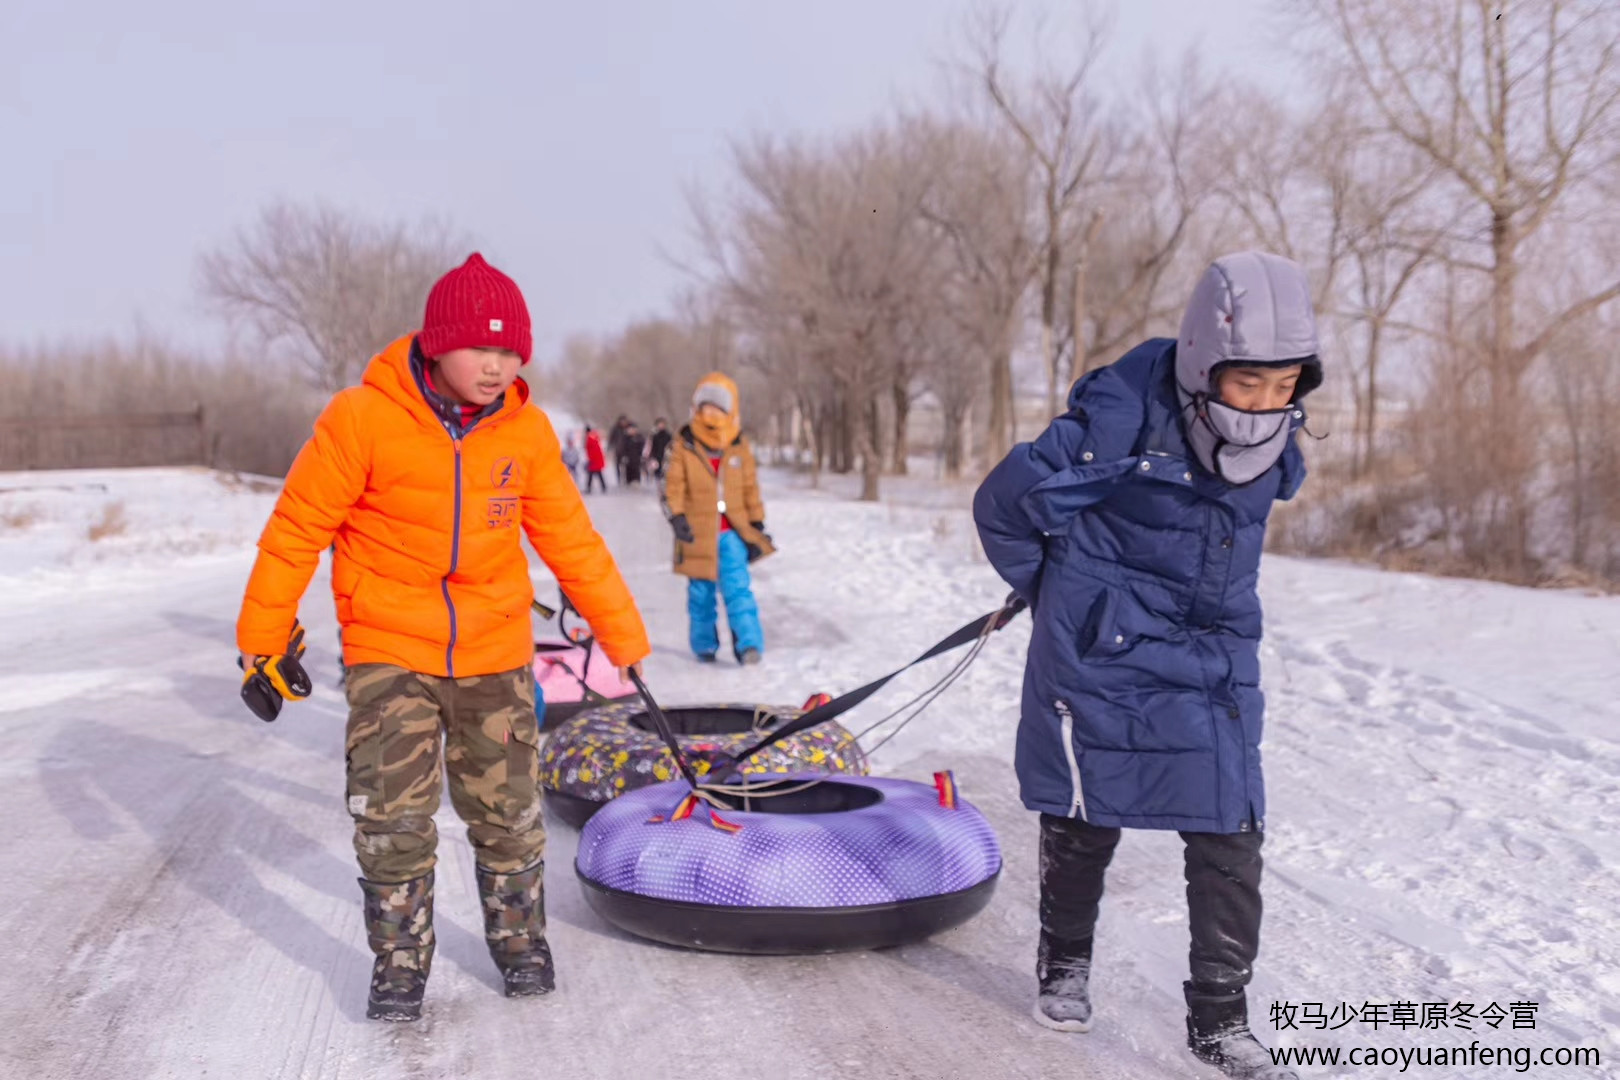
(839, 705)
(665, 732)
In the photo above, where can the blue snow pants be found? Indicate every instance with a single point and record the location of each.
(742, 613)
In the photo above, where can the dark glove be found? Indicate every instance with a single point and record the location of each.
(1009, 609)
(274, 679)
(683, 528)
(755, 552)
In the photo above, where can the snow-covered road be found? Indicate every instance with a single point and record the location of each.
(177, 894)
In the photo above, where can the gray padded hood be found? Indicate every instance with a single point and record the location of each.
(1253, 309)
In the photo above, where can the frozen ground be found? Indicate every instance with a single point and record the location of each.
(178, 899)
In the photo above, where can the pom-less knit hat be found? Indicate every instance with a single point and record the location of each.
(475, 306)
(713, 393)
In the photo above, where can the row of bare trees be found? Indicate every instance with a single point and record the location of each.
(148, 402)
(1449, 181)
(936, 278)
(916, 260)
(647, 371)
(1472, 234)
(310, 293)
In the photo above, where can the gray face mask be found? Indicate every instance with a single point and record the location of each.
(1235, 444)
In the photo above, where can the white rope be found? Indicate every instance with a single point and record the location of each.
(923, 699)
(917, 705)
(940, 689)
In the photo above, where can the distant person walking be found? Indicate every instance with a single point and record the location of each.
(595, 460)
(615, 444)
(572, 457)
(658, 448)
(632, 445)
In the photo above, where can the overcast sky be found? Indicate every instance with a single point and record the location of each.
(558, 135)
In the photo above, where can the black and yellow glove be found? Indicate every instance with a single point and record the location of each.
(273, 679)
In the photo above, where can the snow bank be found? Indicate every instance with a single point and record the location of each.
(92, 529)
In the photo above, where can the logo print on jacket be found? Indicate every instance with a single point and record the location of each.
(504, 473)
(503, 512)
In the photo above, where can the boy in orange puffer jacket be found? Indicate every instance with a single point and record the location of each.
(425, 476)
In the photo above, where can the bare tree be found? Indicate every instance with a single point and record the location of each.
(328, 288)
(981, 209)
(1072, 139)
(1585, 392)
(1391, 241)
(820, 258)
(570, 377)
(955, 376)
(741, 236)
(1517, 109)
(1144, 227)
(1520, 112)
(1356, 207)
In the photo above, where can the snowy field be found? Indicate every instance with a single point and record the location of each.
(178, 895)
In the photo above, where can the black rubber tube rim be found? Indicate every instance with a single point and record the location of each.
(570, 809)
(560, 712)
(786, 931)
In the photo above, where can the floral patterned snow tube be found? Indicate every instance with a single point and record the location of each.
(604, 752)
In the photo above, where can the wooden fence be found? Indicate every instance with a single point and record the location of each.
(87, 441)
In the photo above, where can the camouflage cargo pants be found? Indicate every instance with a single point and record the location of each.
(406, 731)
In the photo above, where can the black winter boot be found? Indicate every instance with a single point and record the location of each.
(515, 929)
(399, 928)
(1064, 971)
(1218, 1033)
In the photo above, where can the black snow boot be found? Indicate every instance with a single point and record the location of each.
(1064, 971)
(399, 928)
(1218, 1033)
(515, 929)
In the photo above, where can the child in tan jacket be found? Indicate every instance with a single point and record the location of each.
(712, 492)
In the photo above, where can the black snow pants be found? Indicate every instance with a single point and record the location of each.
(1223, 895)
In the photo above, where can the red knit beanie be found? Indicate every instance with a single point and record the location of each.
(475, 306)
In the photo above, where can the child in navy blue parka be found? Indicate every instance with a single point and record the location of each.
(1133, 526)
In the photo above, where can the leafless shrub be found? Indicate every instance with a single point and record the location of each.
(18, 518)
(111, 522)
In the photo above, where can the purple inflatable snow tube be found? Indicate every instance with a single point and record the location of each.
(847, 863)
